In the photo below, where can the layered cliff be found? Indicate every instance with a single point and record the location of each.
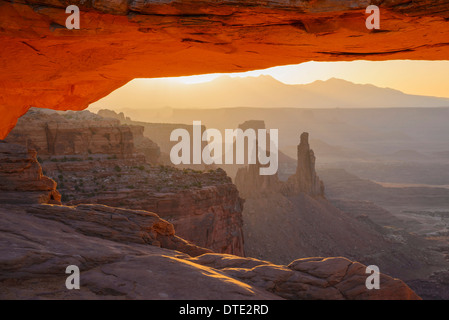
(21, 178)
(134, 254)
(97, 160)
(160, 133)
(204, 207)
(81, 134)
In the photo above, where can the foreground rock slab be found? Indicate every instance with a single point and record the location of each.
(36, 249)
(121, 255)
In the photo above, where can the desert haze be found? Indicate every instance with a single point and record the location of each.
(93, 206)
(262, 92)
(382, 156)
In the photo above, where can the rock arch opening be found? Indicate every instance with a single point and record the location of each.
(68, 69)
(45, 65)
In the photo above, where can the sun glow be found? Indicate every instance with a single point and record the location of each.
(409, 76)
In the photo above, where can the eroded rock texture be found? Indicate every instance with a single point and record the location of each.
(316, 278)
(248, 179)
(205, 208)
(96, 160)
(160, 134)
(48, 66)
(305, 180)
(292, 219)
(21, 178)
(134, 254)
(253, 185)
(121, 255)
(82, 135)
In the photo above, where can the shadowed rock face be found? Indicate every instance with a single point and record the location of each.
(305, 180)
(99, 161)
(248, 179)
(128, 254)
(283, 221)
(122, 40)
(134, 254)
(21, 179)
(252, 185)
(160, 134)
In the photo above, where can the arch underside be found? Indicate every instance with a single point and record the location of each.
(45, 65)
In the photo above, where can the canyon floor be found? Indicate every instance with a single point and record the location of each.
(408, 212)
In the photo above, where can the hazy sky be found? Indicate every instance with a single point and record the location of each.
(428, 78)
(413, 77)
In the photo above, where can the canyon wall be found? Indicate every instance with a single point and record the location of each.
(134, 254)
(21, 178)
(96, 160)
(81, 134)
(205, 208)
(126, 254)
(46, 65)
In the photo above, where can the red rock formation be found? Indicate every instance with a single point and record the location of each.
(21, 178)
(248, 179)
(45, 65)
(81, 135)
(120, 225)
(160, 134)
(296, 220)
(127, 254)
(305, 180)
(205, 208)
(142, 144)
(94, 161)
(316, 278)
(134, 254)
(251, 184)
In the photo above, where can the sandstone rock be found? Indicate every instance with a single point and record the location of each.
(134, 254)
(160, 134)
(282, 228)
(120, 225)
(251, 184)
(106, 113)
(177, 38)
(81, 134)
(334, 278)
(95, 160)
(248, 179)
(150, 149)
(305, 180)
(21, 178)
(112, 248)
(204, 207)
(116, 253)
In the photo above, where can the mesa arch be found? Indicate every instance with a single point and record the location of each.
(45, 65)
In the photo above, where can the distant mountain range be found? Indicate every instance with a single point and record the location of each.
(262, 92)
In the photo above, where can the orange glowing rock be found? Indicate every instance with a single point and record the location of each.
(46, 65)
